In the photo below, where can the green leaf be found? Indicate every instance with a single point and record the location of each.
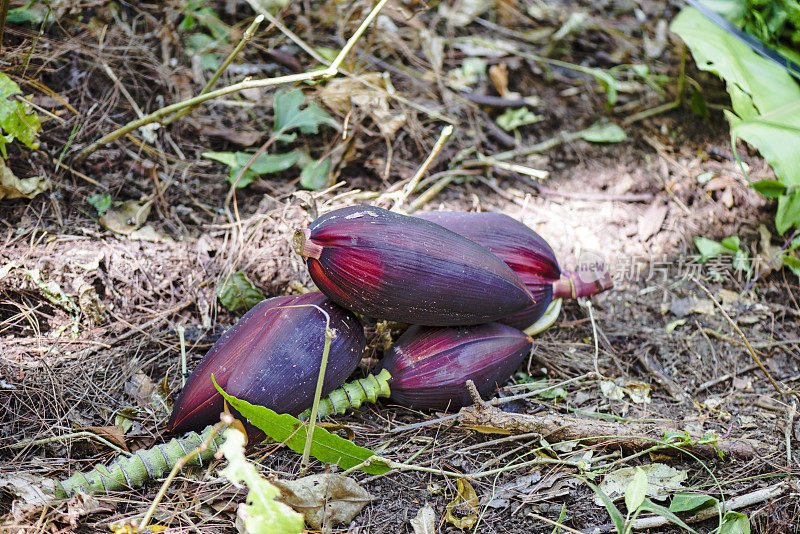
(769, 188)
(792, 263)
(731, 243)
(613, 511)
(261, 513)
(691, 502)
(17, 119)
(101, 203)
(287, 429)
(604, 133)
(34, 15)
(269, 163)
(788, 214)
(239, 293)
(650, 506)
(765, 98)
(512, 119)
(264, 164)
(636, 490)
(709, 248)
(315, 174)
(733, 523)
(228, 158)
(288, 114)
(561, 517)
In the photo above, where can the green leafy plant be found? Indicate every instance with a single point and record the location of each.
(731, 245)
(239, 293)
(101, 203)
(290, 114)
(18, 121)
(636, 501)
(261, 513)
(765, 101)
(208, 31)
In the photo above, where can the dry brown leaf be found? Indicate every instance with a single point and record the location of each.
(651, 221)
(341, 95)
(499, 76)
(13, 187)
(239, 137)
(327, 499)
(82, 504)
(115, 434)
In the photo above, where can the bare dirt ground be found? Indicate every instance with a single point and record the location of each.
(89, 317)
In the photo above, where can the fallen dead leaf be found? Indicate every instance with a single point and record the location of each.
(239, 137)
(326, 500)
(662, 481)
(115, 434)
(342, 94)
(13, 187)
(82, 504)
(425, 522)
(651, 220)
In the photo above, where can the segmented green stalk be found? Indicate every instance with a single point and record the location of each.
(352, 395)
(148, 464)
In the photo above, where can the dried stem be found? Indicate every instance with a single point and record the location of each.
(161, 114)
(248, 34)
(412, 185)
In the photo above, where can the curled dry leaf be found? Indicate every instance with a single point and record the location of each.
(465, 504)
(326, 500)
(342, 94)
(13, 187)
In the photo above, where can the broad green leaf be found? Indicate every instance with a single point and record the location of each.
(228, 158)
(264, 164)
(731, 243)
(765, 98)
(792, 263)
(650, 506)
(239, 293)
(512, 119)
(715, 50)
(636, 490)
(315, 174)
(604, 133)
(288, 114)
(709, 248)
(269, 163)
(613, 511)
(788, 213)
(101, 203)
(287, 429)
(733, 523)
(261, 513)
(690, 502)
(17, 119)
(769, 188)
